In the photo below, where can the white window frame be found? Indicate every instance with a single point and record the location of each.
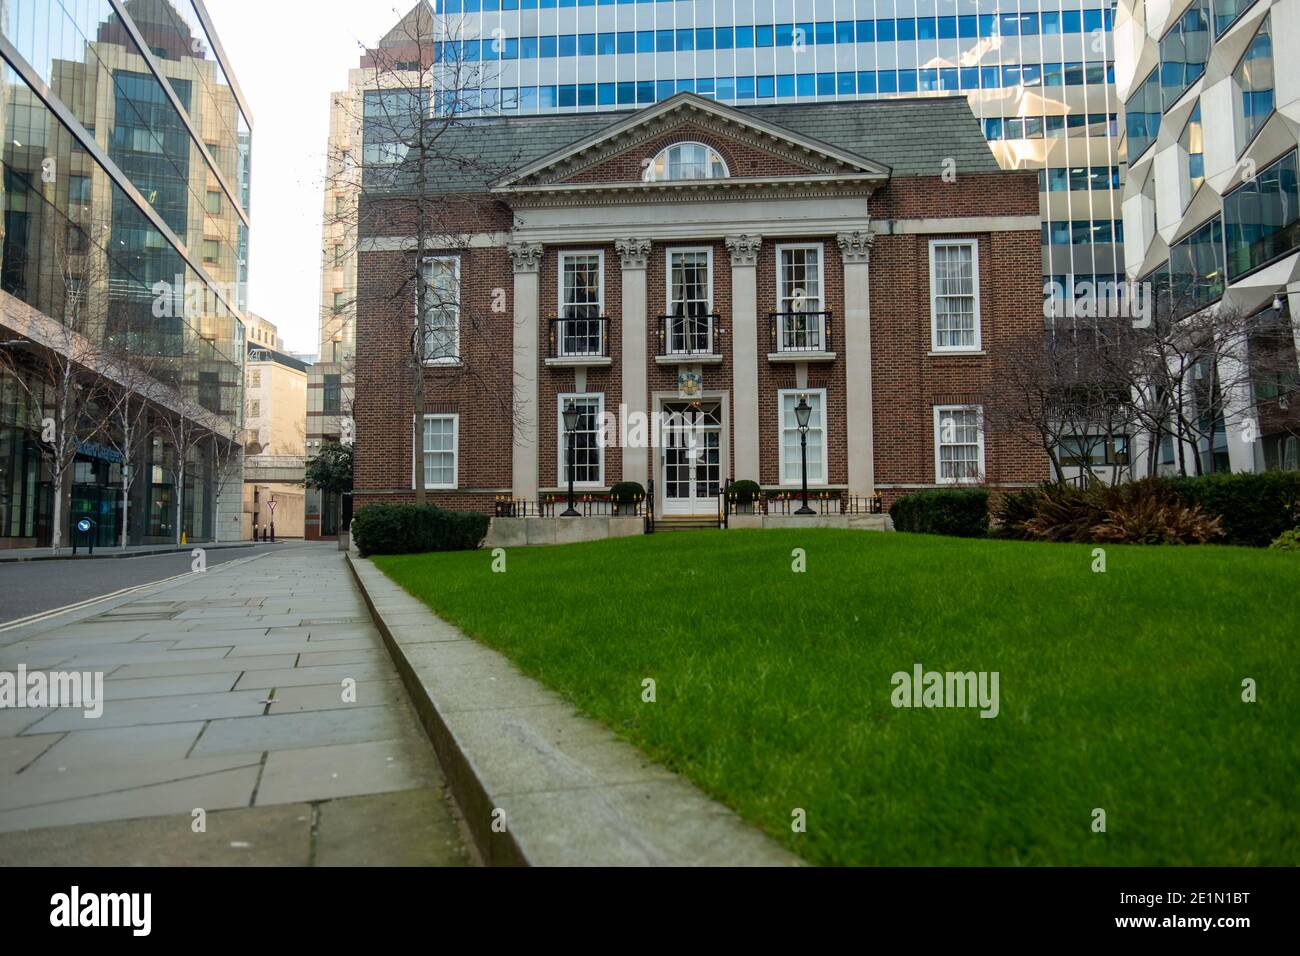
(974, 246)
(783, 247)
(709, 153)
(939, 413)
(446, 359)
(561, 443)
(559, 277)
(417, 467)
(797, 480)
(668, 288)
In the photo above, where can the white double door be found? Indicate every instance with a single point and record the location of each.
(691, 457)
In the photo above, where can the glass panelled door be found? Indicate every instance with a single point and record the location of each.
(691, 436)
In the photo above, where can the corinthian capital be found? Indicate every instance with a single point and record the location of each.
(855, 246)
(635, 253)
(744, 249)
(527, 256)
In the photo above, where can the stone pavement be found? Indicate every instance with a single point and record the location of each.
(224, 691)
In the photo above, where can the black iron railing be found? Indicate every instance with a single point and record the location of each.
(551, 506)
(578, 337)
(788, 502)
(800, 331)
(650, 507)
(690, 335)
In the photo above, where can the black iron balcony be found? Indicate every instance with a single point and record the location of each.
(578, 341)
(800, 336)
(689, 338)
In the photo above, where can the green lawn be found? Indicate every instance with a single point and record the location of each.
(1119, 691)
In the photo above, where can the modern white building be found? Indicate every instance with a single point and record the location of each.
(1210, 203)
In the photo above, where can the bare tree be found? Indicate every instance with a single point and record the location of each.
(131, 416)
(224, 454)
(424, 168)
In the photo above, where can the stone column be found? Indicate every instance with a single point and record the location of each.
(744, 353)
(634, 254)
(527, 258)
(855, 250)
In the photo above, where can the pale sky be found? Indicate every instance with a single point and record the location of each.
(288, 56)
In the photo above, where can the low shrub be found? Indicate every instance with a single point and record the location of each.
(960, 513)
(1012, 509)
(412, 529)
(1255, 508)
(1140, 512)
(1149, 512)
(1287, 541)
(746, 492)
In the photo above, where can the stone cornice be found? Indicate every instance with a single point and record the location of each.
(698, 190)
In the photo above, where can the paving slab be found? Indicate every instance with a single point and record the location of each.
(186, 725)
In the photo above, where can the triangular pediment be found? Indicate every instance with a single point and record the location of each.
(754, 150)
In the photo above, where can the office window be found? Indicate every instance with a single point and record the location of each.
(1142, 119)
(211, 250)
(1196, 268)
(1193, 154)
(791, 450)
(214, 202)
(254, 408)
(1253, 84)
(332, 403)
(442, 310)
(587, 447)
(958, 444)
(954, 295)
(1262, 217)
(340, 301)
(1226, 13)
(1183, 51)
(441, 451)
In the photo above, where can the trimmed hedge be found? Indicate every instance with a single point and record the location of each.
(961, 514)
(627, 493)
(746, 491)
(1255, 509)
(413, 529)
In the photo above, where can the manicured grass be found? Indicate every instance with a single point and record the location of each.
(1119, 691)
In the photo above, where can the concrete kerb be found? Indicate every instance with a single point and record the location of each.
(109, 553)
(572, 792)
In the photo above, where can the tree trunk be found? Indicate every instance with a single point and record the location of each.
(180, 501)
(126, 502)
(56, 532)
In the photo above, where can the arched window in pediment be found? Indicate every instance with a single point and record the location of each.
(687, 161)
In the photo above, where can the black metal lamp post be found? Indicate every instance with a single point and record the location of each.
(570, 427)
(802, 413)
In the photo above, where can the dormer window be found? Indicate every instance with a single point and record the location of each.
(686, 161)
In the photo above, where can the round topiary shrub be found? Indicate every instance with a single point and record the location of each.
(627, 496)
(745, 492)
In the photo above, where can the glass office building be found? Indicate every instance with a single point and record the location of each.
(125, 154)
(1038, 73)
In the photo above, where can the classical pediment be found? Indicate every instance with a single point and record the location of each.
(757, 155)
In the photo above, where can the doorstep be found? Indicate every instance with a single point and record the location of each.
(567, 789)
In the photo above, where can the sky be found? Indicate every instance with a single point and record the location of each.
(288, 56)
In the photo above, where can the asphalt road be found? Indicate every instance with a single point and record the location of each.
(30, 587)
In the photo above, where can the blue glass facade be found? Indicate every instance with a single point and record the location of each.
(1038, 73)
(124, 152)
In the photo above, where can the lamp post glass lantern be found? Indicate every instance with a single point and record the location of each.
(802, 415)
(570, 427)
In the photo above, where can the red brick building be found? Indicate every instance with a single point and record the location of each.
(691, 271)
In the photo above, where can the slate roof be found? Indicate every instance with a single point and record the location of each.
(910, 136)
